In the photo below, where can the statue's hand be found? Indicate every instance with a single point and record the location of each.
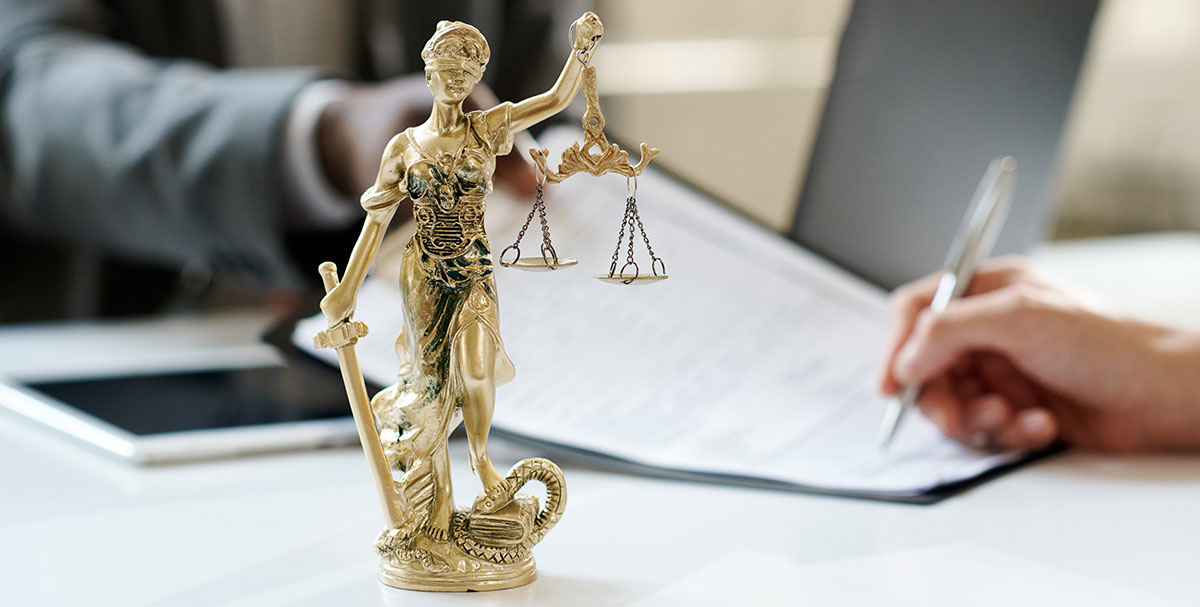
(337, 305)
(588, 31)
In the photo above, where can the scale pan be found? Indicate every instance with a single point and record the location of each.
(622, 279)
(539, 264)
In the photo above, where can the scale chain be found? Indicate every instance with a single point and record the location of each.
(631, 213)
(528, 220)
(621, 238)
(540, 205)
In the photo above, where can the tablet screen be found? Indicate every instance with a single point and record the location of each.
(202, 400)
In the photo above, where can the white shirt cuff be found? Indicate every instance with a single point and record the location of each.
(312, 202)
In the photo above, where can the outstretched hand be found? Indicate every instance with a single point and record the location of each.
(1023, 361)
(588, 31)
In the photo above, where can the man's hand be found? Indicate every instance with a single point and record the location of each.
(1022, 361)
(353, 131)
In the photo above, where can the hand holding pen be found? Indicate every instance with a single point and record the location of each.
(1024, 360)
(974, 241)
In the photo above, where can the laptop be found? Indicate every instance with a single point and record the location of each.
(925, 94)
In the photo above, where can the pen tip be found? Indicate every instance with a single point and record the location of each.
(885, 439)
(891, 421)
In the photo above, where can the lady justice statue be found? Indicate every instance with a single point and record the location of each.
(451, 354)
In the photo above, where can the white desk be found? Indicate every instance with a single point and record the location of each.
(79, 529)
(1155, 276)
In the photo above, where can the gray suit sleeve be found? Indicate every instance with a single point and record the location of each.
(162, 159)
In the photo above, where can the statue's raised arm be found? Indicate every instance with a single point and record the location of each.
(586, 34)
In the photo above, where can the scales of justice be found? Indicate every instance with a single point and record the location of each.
(450, 351)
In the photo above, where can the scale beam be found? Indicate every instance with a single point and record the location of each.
(579, 158)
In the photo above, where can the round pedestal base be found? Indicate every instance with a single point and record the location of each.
(494, 577)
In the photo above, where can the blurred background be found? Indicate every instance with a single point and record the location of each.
(738, 89)
(733, 93)
(753, 75)
(1132, 146)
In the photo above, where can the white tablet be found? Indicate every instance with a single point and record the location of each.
(171, 389)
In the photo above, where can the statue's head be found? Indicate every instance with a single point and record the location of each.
(455, 58)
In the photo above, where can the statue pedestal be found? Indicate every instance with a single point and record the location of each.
(509, 576)
(481, 552)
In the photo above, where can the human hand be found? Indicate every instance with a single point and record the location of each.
(354, 130)
(1023, 361)
(588, 31)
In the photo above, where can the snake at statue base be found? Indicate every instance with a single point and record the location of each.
(534, 469)
(399, 544)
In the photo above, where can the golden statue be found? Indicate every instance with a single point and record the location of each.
(452, 357)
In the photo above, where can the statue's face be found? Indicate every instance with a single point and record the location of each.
(450, 85)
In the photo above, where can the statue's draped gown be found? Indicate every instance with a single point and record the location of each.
(447, 286)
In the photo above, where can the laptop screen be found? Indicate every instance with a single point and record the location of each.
(926, 93)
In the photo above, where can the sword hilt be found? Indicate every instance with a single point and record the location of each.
(329, 275)
(341, 335)
(345, 333)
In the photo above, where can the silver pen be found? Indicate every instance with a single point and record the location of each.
(974, 241)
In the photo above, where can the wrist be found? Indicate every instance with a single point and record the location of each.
(1175, 424)
(315, 200)
(334, 146)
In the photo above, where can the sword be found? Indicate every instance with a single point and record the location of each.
(341, 336)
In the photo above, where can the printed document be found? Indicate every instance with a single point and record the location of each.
(754, 362)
